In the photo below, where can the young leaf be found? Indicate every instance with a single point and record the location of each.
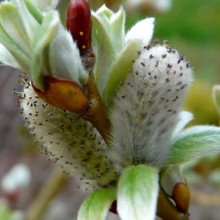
(105, 14)
(142, 32)
(105, 53)
(46, 5)
(15, 50)
(64, 58)
(184, 118)
(12, 24)
(29, 23)
(97, 204)
(120, 70)
(7, 58)
(193, 143)
(117, 24)
(36, 13)
(46, 34)
(137, 193)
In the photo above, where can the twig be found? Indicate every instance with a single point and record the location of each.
(96, 112)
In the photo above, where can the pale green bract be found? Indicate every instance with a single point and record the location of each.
(193, 143)
(115, 50)
(137, 193)
(97, 204)
(46, 5)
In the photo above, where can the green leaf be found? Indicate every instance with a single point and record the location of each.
(120, 70)
(184, 118)
(105, 15)
(29, 22)
(193, 143)
(142, 32)
(16, 52)
(7, 58)
(64, 58)
(117, 23)
(105, 53)
(104, 11)
(46, 33)
(12, 24)
(137, 193)
(34, 11)
(97, 204)
(46, 5)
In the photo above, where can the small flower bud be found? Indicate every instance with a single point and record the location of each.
(79, 23)
(181, 197)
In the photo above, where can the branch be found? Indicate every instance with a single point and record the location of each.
(96, 112)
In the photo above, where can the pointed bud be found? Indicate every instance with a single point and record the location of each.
(63, 94)
(181, 196)
(79, 23)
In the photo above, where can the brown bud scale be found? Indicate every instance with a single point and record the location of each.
(63, 94)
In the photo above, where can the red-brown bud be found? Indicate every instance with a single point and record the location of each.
(79, 23)
(63, 94)
(113, 208)
(181, 196)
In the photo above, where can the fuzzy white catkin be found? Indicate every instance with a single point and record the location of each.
(147, 105)
(68, 140)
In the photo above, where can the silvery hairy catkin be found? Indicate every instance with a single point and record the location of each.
(147, 105)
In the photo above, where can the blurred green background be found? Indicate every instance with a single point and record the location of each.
(194, 28)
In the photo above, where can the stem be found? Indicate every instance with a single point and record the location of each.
(55, 183)
(167, 211)
(96, 112)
